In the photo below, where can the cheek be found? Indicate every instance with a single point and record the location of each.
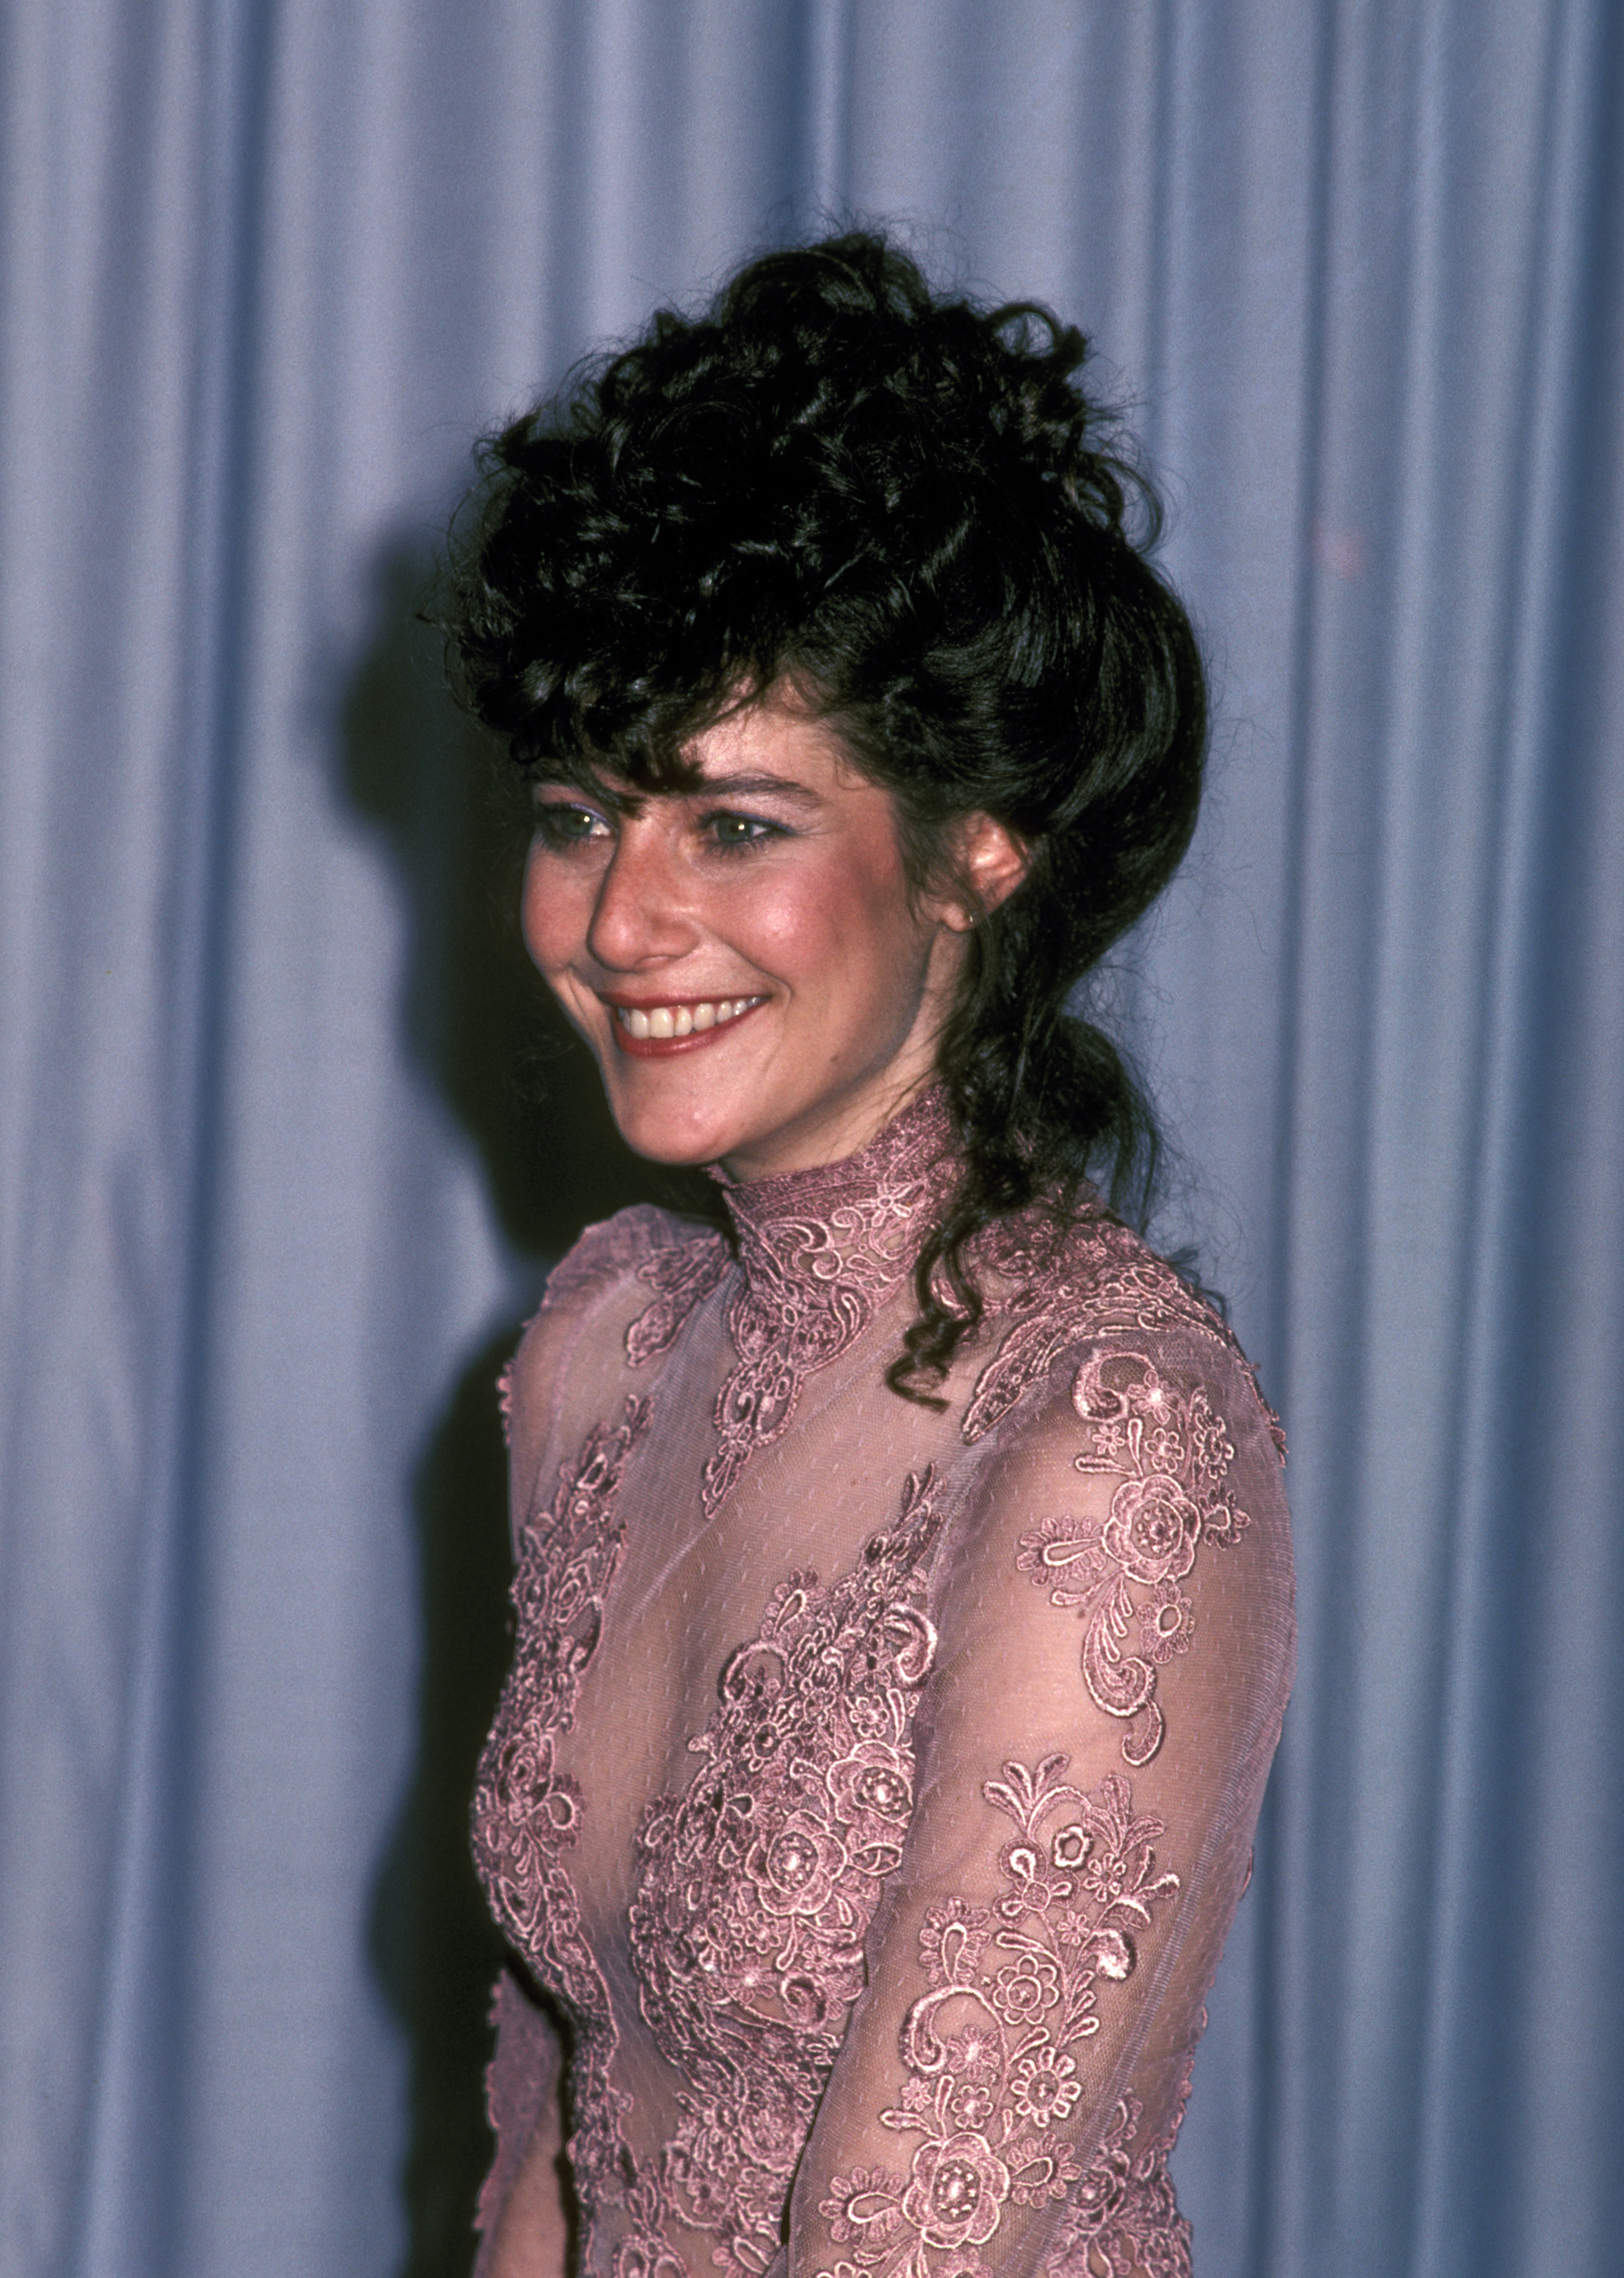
(547, 918)
(836, 928)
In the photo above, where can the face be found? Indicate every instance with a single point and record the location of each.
(745, 960)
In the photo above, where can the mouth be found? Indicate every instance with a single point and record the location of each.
(655, 1031)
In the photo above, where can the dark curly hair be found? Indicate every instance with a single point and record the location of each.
(906, 506)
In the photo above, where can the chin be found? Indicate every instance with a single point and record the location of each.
(674, 1155)
(682, 1142)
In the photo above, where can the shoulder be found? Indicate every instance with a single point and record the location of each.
(1060, 1292)
(601, 1260)
(613, 1251)
(616, 1298)
(1126, 1467)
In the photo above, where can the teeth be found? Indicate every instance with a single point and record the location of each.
(661, 1020)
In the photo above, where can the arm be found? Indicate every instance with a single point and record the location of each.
(525, 2215)
(577, 1340)
(521, 2214)
(1114, 1647)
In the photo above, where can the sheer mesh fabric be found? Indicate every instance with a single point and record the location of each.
(874, 1787)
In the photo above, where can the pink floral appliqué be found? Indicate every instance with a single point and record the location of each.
(759, 1882)
(991, 2048)
(1091, 1280)
(1124, 2219)
(821, 1250)
(1171, 1452)
(684, 1273)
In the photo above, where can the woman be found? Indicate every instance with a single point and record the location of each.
(903, 1593)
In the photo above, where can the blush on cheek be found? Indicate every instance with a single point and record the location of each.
(822, 924)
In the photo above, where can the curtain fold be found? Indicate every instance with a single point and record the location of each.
(268, 1213)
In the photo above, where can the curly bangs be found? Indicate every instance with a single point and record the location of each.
(829, 474)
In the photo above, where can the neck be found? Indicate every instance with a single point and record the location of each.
(837, 1134)
(868, 1213)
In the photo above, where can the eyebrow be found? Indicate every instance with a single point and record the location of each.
(754, 787)
(739, 787)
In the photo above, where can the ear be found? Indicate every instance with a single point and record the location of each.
(988, 862)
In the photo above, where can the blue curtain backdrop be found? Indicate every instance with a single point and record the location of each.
(265, 1216)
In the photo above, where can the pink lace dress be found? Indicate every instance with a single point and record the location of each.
(874, 1783)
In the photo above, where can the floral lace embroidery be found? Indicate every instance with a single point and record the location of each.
(604, 1252)
(1171, 1452)
(504, 1402)
(527, 1813)
(991, 2048)
(1095, 1280)
(758, 1883)
(1122, 2220)
(684, 1273)
(819, 1249)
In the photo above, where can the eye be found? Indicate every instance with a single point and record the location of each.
(561, 824)
(736, 834)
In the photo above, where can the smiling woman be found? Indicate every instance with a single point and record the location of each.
(758, 931)
(904, 1595)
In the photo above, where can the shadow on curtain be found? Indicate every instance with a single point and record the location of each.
(454, 816)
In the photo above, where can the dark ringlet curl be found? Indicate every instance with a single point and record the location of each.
(905, 506)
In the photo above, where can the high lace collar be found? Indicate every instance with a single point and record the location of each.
(861, 1220)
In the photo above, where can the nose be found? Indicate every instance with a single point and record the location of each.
(640, 916)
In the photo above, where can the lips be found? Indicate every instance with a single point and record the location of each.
(654, 1031)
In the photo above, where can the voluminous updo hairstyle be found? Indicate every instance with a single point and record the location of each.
(906, 507)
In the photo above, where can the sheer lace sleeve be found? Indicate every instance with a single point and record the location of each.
(520, 2192)
(570, 1358)
(1113, 1647)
